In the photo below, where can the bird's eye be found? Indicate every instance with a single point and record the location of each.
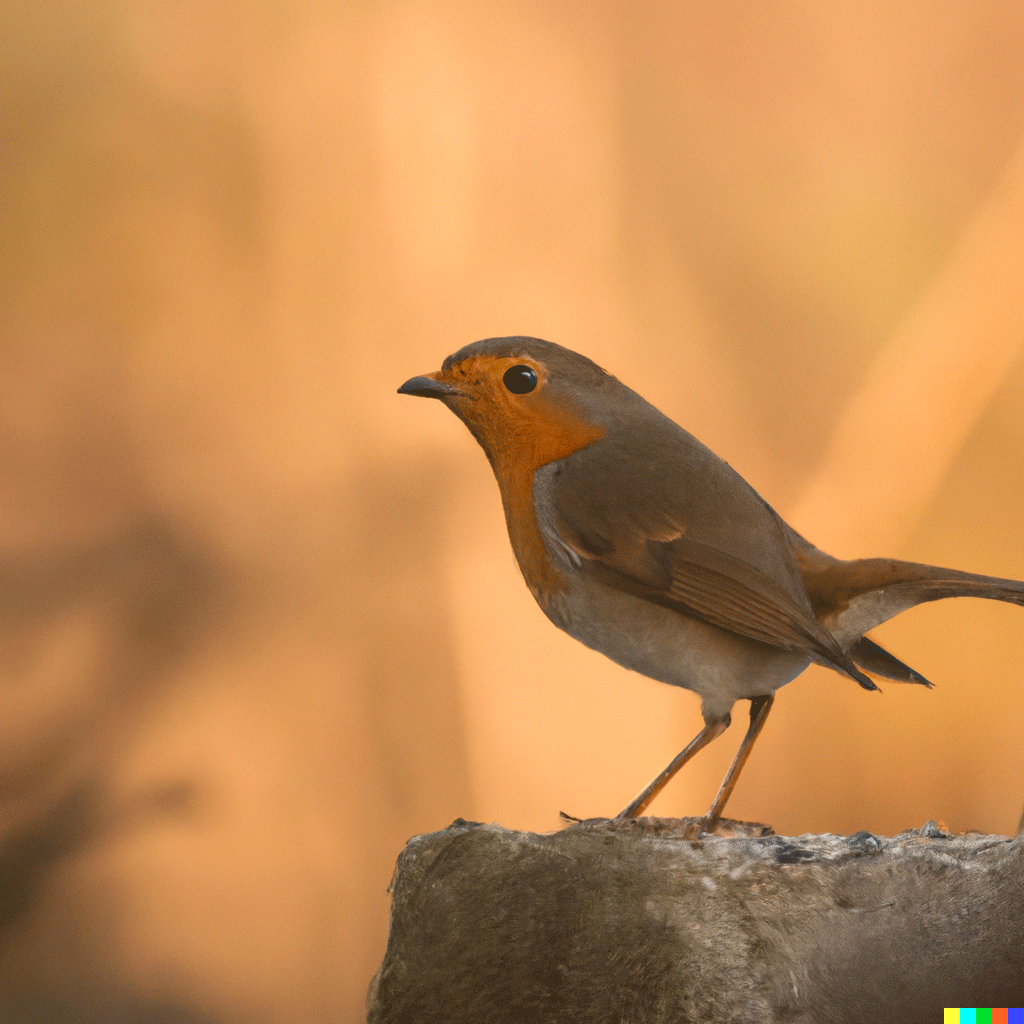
(520, 380)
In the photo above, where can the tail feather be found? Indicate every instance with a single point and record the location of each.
(876, 660)
(851, 598)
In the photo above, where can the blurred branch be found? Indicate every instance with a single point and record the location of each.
(70, 686)
(925, 391)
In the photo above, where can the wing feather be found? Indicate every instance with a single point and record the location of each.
(663, 538)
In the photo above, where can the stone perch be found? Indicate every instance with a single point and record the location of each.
(637, 922)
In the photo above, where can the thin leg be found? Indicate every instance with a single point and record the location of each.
(759, 708)
(711, 731)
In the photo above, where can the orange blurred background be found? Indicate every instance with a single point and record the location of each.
(261, 620)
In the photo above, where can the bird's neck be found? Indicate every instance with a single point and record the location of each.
(542, 575)
(517, 447)
(515, 470)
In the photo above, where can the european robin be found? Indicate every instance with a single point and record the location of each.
(641, 543)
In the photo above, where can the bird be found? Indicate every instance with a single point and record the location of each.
(638, 541)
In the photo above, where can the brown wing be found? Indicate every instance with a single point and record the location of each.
(696, 537)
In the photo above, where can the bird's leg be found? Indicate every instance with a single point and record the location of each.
(711, 731)
(759, 708)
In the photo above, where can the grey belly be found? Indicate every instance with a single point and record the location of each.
(719, 666)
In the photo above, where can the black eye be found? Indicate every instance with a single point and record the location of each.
(520, 380)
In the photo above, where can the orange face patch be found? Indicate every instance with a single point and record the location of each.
(520, 432)
(524, 431)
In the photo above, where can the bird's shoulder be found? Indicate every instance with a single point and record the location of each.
(652, 481)
(653, 511)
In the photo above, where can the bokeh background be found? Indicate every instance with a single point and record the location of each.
(261, 622)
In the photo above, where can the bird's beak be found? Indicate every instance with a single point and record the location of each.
(427, 387)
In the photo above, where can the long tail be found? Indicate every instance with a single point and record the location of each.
(853, 597)
(862, 594)
(877, 661)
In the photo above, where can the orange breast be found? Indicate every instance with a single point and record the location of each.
(546, 433)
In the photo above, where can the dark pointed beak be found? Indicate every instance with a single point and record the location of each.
(427, 387)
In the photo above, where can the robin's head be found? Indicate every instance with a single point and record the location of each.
(525, 400)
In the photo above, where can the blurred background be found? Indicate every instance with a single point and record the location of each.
(261, 622)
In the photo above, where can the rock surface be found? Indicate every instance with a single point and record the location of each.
(641, 922)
